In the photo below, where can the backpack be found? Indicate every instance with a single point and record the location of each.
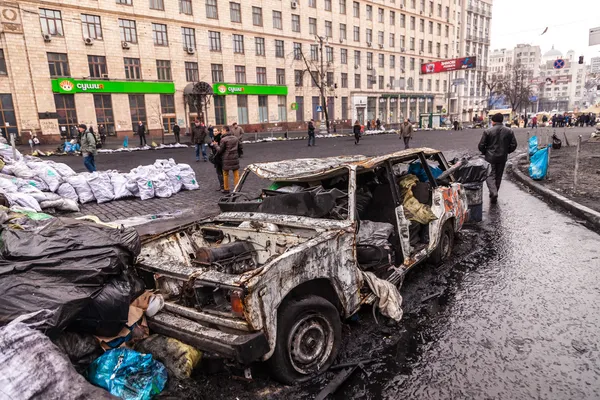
(98, 142)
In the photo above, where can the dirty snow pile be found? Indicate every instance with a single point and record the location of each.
(35, 184)
(130, 149)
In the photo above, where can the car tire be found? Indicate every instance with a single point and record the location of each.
(309, 335)
(443, 251)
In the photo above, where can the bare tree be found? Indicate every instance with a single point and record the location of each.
(493, 84)
(157, 111)
(515, 86)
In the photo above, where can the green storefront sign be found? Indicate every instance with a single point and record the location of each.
(69, 86)
(223, 89)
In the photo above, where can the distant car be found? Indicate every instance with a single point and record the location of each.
(272, 277)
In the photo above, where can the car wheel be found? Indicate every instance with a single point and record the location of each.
(444, 249)
(309, 335)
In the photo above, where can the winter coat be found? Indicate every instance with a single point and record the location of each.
(199, 134)
(141, 130)
(406, 130)
(176, 129)
(311, 128)
(497, 143)
(88, 144)
(356, 130)
(228, 150)
(238, 132)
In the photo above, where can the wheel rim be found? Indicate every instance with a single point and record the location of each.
(310, 343)
(445, 246)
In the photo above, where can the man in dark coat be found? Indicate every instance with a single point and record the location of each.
(496, 144)
(228, 150)
(141, 131)
(216, 158)
(199, 133)
(176, 132)
(311, 132)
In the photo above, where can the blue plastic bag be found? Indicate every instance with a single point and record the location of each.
(126, 142)
(539, 164)
(416, 168)
(127, 374)
(533, 145)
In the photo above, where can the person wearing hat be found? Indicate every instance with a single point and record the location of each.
(496, 144)
(88, 147)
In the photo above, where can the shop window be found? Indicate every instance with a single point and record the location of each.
(282, 108)
(91, 26)
(299, 108)
(191, 71)
(185, 7)
(58, 64)
(97, 66)
(219, 105)
(104, 112)
(263, 109)
(163, 70)
(212, 11)
(128, 30)
(242, 109)
(188, 36)
(137, 108)
(51, 21)
(217, 73)
(133, 70)
(67, 114)
(159, 34)
(3, 70)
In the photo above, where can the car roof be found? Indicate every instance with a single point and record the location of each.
(304, 169)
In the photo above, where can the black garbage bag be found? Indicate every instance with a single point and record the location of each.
(81, 348)
(472, 170)
(60, 266)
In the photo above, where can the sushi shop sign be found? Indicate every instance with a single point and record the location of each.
(70, 86)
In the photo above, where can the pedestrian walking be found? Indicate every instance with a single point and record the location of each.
(199, 133)
(356, 129)
(228, 150)
(525, 120)
(455, 123)
(237, 131)
(176, 132)
(406, 132)
(311, 132)
(141, 131)
(496, 144)
(534, 122)
(102, 132)
(378, 124)
(88, 148)
(216, 158)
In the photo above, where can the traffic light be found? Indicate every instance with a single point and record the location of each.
(580, 59)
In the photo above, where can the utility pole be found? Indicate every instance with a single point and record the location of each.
(324, 127)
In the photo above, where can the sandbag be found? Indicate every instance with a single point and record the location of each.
(83, 189)
(6, 152)
(188, 177)
(179, 358)
(24, 200)
(128, 374)
(132, 185)
(101, 187)
(162, 185)
(63, 169)
(21, 170)
(46, 173)
(8, 185)
(67, 191)
(32, 367)
(119, 184)
(60, 204)
(538, 168)
(143, 178)
(174, 175)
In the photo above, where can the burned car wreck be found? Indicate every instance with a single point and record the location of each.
(273, 276)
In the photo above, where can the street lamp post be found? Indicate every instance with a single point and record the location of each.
(323, 128)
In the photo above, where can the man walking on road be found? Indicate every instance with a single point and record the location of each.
(311, 132)
(88, 148)
(534, 122)
(406, 132)
(141, 131)
(199, 133)
(237, 131)
(496, 144)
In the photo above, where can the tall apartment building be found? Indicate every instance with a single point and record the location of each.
(115, 62)
(499, 60)
(468, 91)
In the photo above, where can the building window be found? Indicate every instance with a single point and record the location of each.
(279, 48)
(295, 23)
(402, 21)
(219, 105)
(312, 3)
(392, 18)
(242, 109)
(191, 71)
(263, 109)
(413, 23)
(356, 81)
(297, 51)
(261, 75)
(157, 4)
(329, 54)
(185, 7)
(380, 82)
(412, 64)
(298, 78)
(212, 11)
(344, 108)
(238, 44)
(280, 76)
(167, 109)
(344, 56)
(422, 26)
(300, 109)
(65, 108)
(369, 12)
(356, 9)
(343, 7)
(260, 46)
(97, 66)
(128, 30)
(216, 70)
(447, 31)
(342, 31)
(429, 85)
(235, 11)
(380, 38)
(421, 45)
(314, 52)
(58, 64)
(240, 74)
(314, 78)
(381, 60)
(412, 43)
(126, 2)
(3, 70)
(356, 57)
(257, 17)
(402, 63)
(159, 34)
(421, 85)
(344, 80)
(329, 78)
(137, 108)
(214, 39)
(439, 10)
(277, 24)
(282, 108)
(312, 26)
(439, 29)
(91, 26)
(163, 70)
(132, 68)
(369, 35)
(51, 22)
(430, 47)
(391, 82)
(370, 80)
(327, 5)
(356, 34)
(328, 29)
(188, 36)
(392, 61)
(104, 112)
(380, 15)
(392, 40)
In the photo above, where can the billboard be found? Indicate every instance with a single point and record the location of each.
(449, 65)
(595, 66)
(594, 36)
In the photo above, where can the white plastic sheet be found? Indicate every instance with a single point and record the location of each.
(101, 187)
(83, 189)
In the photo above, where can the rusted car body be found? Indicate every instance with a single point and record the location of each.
(243, 284)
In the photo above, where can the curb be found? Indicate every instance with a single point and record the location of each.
(579, 210)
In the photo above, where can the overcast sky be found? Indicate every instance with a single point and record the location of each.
(568, 22)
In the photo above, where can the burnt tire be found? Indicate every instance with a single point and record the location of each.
(443, 251)
(309, 335)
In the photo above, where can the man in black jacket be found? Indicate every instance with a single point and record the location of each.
(141, 131)
(496, 144)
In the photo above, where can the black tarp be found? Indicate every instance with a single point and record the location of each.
(60, 265)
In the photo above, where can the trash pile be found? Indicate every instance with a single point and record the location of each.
(73, 315)
(31, 183)
(73, 148)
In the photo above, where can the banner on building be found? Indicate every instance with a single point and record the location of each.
(70, 86)
(552, 80)
(449, 65)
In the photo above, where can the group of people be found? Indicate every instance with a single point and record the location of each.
(563, 120)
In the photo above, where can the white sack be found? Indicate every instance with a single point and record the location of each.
(101, 187)
(23, 200)
(188, 177)
(119, 184)
(83, 189)
(162, 186)
(67, 191)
